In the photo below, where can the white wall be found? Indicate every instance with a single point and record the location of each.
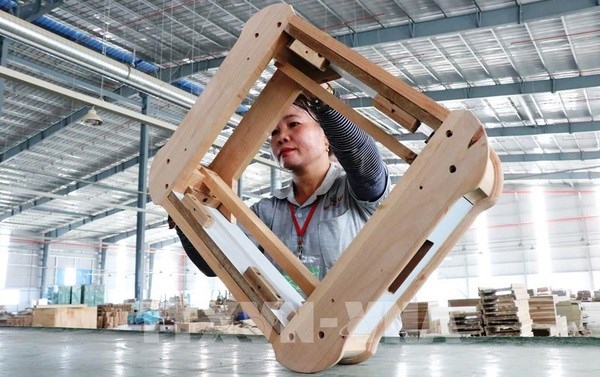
(572, 250)
(573, 246)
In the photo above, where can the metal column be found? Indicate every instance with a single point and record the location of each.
(141, 203)
(44, 267)
(150, 274)
(103, 252)
(3, 58)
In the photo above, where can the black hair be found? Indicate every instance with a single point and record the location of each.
(305, 104)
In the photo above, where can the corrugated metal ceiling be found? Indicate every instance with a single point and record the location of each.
(530, 72)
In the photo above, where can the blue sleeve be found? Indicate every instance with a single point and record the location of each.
(357, 153)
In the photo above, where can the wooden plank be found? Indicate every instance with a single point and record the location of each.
(309, 55)
(261, 233)
(219, 262)
(463, 302)
(417, 197)
(197, 210)
(395, 113)
(413, 102)
(377, 133)
(270, 106)
(175, 162)
(494, 181)
(263, 287)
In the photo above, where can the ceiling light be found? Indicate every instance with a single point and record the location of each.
(91, 118)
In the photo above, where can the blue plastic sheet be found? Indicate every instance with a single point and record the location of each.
(149, 317)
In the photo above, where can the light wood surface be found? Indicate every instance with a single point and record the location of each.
(392, 255)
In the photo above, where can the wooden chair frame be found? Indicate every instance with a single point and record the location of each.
(342, 318)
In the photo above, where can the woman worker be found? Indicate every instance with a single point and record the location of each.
(326, 205)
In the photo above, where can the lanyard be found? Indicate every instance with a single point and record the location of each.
(300, 231)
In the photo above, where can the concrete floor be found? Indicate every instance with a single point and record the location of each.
(56, 352)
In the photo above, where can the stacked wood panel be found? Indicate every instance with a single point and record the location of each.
(506, 311)
(112, 315)
(416, 319)
(466, 317)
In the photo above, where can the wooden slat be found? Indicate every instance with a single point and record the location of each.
(219, 262)
(175, 162)
(378, 134)
(309, 55)
(413, 102)
(396, 113)
(417, 197)
(463, 302)
(270, 106)
(261, 233)
(264, 289)
(202, 216)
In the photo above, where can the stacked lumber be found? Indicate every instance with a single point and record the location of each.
(112, 315)
(465, 317)
(546, 322)
(68, 316)
(584, 295)
(506, 311)
(20, 320)
(416, 319)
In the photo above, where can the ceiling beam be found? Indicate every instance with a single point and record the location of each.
(121, 236)
(498, 132)
(563, 176)
(531, 157)
(514, 14)
(541, 157)
(34, 9)
(104, 174)
(164, 243)
(500, 90)
(55, 233)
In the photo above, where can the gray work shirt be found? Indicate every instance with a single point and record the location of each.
(337, 219)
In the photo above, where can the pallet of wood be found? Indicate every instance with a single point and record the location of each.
(22, 320)
(506, 311)
(67, 316)
(112, 315)
(416, 319)
(465, 317)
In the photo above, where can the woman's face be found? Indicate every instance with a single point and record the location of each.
(298, 140)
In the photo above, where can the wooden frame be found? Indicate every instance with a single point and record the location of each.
(342, 318)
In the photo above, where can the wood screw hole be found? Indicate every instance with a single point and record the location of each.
(321, 334)
(452, 169)
(449, 133)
